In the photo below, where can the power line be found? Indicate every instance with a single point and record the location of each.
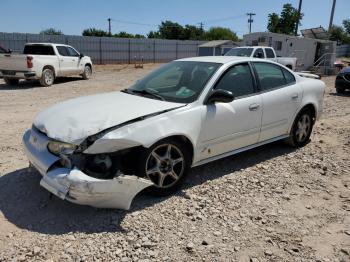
(250, 21)
(156, 25)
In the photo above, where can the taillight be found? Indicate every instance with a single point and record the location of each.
(29, 61)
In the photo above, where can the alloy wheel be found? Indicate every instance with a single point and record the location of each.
(165, 165)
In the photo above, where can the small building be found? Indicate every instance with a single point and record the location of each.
(308, 51)
(216, 47)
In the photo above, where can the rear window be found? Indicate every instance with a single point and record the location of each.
(38, 50)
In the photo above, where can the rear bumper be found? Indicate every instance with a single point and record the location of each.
(74, 185)
(18, 74)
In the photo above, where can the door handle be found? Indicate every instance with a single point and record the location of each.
(61, 60)
(295, 96)
(254, 107)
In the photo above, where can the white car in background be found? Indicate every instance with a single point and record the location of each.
(101, 150)
(45, 62)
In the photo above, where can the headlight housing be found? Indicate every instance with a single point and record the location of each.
(58, 148)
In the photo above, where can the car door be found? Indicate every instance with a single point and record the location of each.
(229, 126)
(77, 66)
(68, 61)
(270, 55)
(281, 97)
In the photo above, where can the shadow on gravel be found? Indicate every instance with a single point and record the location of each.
(346, 93)
(23, 84)
(28, 206)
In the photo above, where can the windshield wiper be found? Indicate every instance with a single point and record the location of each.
(144, 92)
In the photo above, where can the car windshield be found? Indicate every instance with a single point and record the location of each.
(240, 52)
(178, 81)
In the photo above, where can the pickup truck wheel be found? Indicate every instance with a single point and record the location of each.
(87, 72)
(302, 128)
(47, 77)
(166, 164)
(11, 81)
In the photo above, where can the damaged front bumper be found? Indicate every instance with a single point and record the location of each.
(73, 184)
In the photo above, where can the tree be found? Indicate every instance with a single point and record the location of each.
(51, 31)
(220, 33)
(153, 34)
(286, 22)
(191, 32)
(123, 34)
(170, 30)
(272, 25)
(94, 32)
(346, 24)
(337, 33)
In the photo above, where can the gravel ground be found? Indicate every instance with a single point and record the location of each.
(273, 203)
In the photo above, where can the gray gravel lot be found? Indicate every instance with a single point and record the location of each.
(273, 203)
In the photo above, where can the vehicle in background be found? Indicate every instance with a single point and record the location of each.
(93, 150)
(3, 50)
(263, 53)
(45, 62)
(342, 82)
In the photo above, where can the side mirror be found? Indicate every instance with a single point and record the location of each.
(220, 96)
(81, 55)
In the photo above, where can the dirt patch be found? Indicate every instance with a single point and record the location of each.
(272, 203)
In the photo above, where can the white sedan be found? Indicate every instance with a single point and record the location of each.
(101, 150)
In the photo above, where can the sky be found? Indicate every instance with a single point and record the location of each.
(141, 16)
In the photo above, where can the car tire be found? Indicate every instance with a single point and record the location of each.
(87, 72)
(301, 129)
(11, 81)
(47, 77)
(340, 90)
(166, 164)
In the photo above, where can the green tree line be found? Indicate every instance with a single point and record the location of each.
(172, 30)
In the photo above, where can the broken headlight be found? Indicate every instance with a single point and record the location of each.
(61, 148)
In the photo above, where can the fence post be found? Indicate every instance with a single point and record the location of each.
(176, 48)
(154, 51)
(100, 50)
(129, 51)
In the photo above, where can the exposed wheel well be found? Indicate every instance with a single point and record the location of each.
(312, 108)
(51, 68)
(89, 65)
(183, 139)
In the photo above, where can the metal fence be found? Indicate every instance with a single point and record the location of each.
(108, 50)
(343, 50)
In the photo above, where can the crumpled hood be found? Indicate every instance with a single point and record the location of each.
(74, 120)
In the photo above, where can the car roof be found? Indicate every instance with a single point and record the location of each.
(221, 59)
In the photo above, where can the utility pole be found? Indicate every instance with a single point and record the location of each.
(331, 19)
(109, 27)
(299, 12)
(201, 26)
(250, 21)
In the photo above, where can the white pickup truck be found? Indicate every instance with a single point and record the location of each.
(45, 62)
(264, 53)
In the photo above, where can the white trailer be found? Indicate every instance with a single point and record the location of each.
(309, 52)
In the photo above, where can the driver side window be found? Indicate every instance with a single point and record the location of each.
(238, 80)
